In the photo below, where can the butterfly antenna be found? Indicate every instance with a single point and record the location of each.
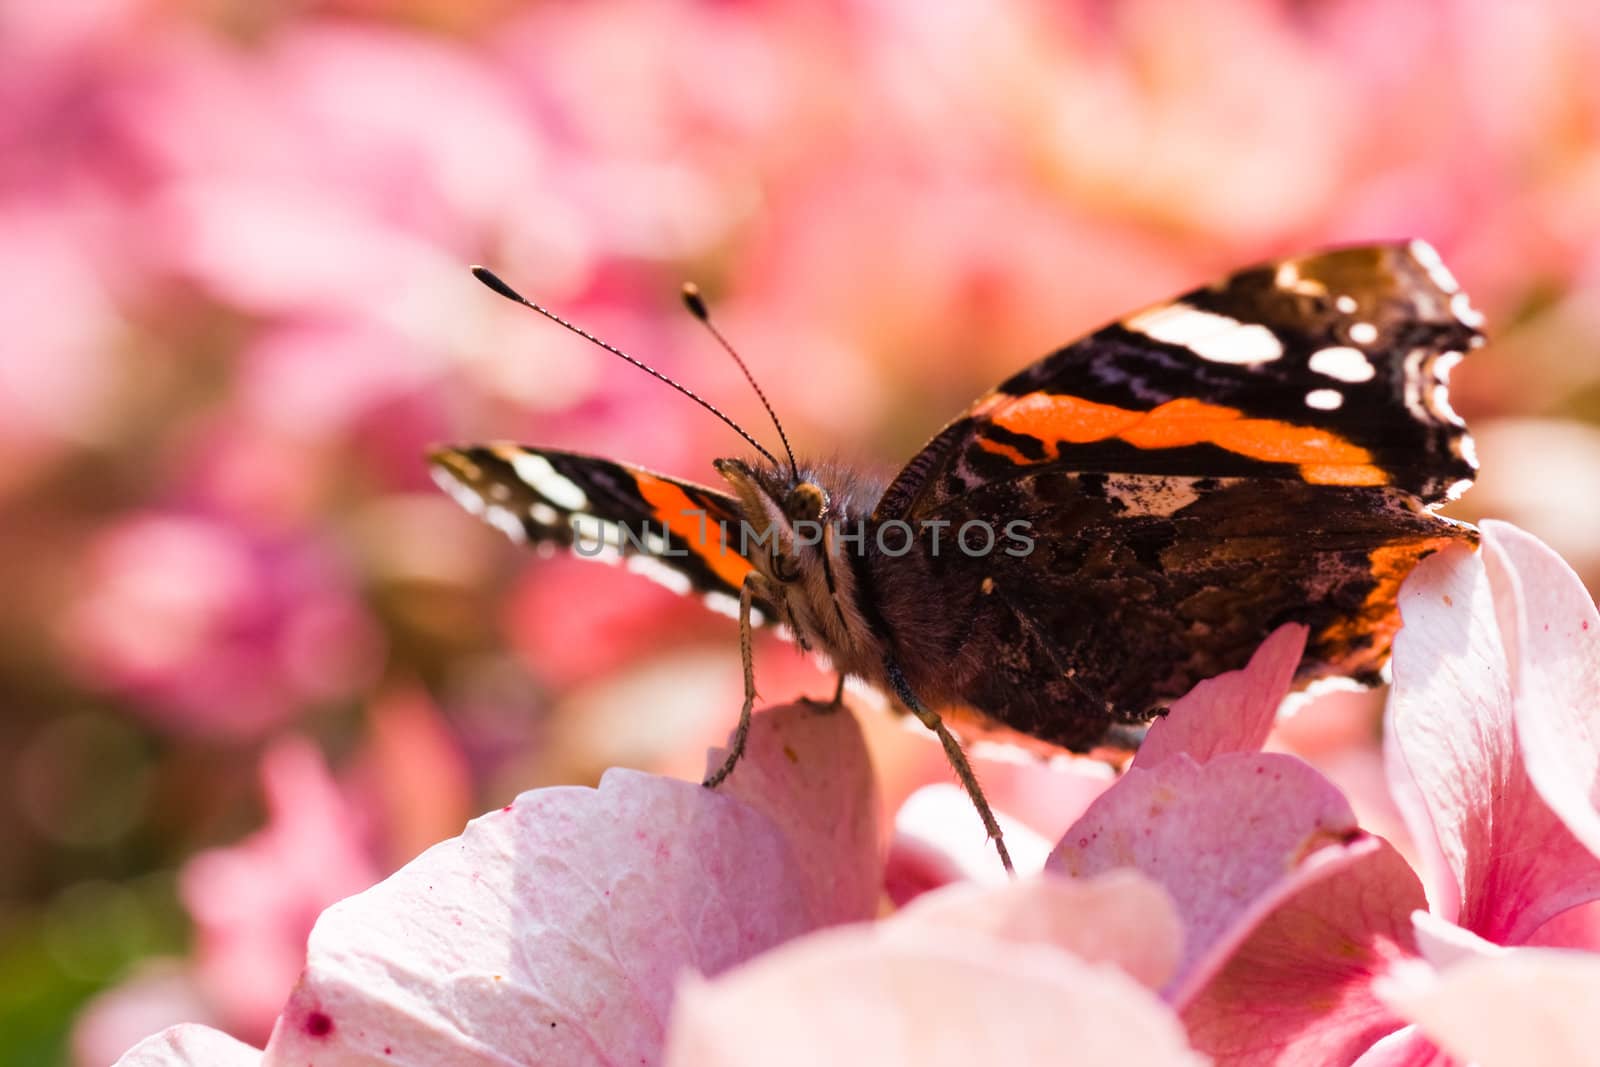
(493, 281)
(697, 307)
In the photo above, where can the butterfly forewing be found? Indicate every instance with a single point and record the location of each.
(1328, 369)
(683, 535)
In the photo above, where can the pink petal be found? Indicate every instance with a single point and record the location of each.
(1219, 837)
(1406, 1047)
(1517, 865)
(1298, 988)
(1443, 943)
(1119, 917)
(1553, 643)
(949, 999)
(1232, 712)
(1438, 880)
(809, 772)
(1574, 928)
(159, 994)
(939, 838)
(553, 931)
(1530, 1006)
(190, 1045)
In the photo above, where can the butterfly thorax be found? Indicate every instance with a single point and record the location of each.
(804, 532)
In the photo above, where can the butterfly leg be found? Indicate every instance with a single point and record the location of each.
(747, 593)
(957, 758)
(825, 706)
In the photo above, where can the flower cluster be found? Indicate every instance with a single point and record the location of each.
(1216, 903)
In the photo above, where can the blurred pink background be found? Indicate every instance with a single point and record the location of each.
(251, 660)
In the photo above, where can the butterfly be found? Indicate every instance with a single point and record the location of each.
(1128, 516)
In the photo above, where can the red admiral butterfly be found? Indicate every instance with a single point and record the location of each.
(1128, 516)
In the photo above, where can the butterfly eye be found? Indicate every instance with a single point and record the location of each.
(805, 502)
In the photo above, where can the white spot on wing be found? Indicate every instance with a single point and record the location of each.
(1463, 310)
(1208, 335)
(1345, 364)
(1288, 277)
(1346, 303)
(507, 523)
(546, 481)
(1457, 488)
(459, 491)
(1413, 382)
(1325, 399)
(1428, 257)
(544, 514)
(657, 571)
(1439, 403)
(1363, 333)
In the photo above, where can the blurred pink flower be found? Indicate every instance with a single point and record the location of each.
(253, 903)
(214, 631)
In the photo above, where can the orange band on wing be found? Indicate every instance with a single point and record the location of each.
(1324, 458)
(693, 525)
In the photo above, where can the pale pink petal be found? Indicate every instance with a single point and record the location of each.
(160, 993)
(1527, 1008)
(1219, 837)
(1443, 943)
(1406, 1047)
(1298, 988)
(1574, 928)
(190, 1045)
(552, 931)
(952, 999)
(939, 838)
(1516, 864)
(1118, 917)
(1553, 643)
(1232, 712)
(1439, 881)
(809, 772)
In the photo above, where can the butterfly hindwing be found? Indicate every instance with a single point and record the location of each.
(679, 533)
(1137, 587)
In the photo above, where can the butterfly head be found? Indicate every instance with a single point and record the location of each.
(785, 511)
(800, 524)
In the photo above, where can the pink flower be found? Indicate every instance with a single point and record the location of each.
(253, 903)
(213, 630)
